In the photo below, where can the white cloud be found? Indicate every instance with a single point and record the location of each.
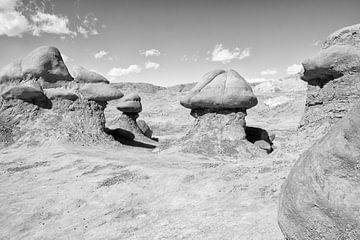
(50, 23)
(224, 55)
(152, 65)
(118, 72)
(317, 43)
(150, 52)
(8, 4)
(268, 72)
(187, 58)
(258, 80)
(100, 54)
(294, 69)
(13, 23)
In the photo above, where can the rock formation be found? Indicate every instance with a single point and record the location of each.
(44, 64)
(332, 77)
(218, 103)
(320, 198)
(82, 75)
(125, 125)
(145, 129)
(40, 101)
(100, 92)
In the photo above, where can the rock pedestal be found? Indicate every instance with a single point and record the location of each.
(333, 80)
(219, 103)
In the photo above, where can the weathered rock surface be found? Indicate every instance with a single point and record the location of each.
(100, 92)
(220, 89)
(332, 77)
(29, 91)
(43, 62)
(82, 75)
(130, 103)
(63, 93)
(145, 129)
(67, 121)
(320, 198)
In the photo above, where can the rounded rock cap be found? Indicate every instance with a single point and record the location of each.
(82, 75)
(130, 103)
(220, 89)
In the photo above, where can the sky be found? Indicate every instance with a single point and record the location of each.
(167, 42)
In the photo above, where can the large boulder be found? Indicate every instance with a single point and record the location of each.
(220, 89)
(82, 75)
(100, 92)
(332, 76)
(130, 103)
(332, 63)
(320, 197)
(61, 93)
(29, 91)
(43, 62)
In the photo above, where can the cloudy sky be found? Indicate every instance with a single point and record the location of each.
(168, 42)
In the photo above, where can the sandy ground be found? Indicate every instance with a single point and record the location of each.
(61, 191)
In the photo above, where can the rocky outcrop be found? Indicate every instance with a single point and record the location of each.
(219, 103)
(125, 126)
(332, 76)
(320, 197)
(100, 92)
(44, 64)
(77, 121)
(82, 75)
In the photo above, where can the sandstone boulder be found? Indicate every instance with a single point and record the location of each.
(331, 63)
(43, 63)
(47, 63)
(145, 129)
(345, 36)
(29, 91)
(130, 103)
(220, 89)
(82, 75)
(100, 92)
(320, 198)
(62, 93)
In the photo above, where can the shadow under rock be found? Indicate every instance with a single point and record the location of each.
(127, 138)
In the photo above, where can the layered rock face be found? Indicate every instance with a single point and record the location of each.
(40, 101)
(320, 198)
(332, 77)
(218, 103)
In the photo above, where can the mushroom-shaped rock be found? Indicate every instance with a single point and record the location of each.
(333, 81)
(320, 197)
(60, 93)
(100, 92)
(220, 89)
(130, 103)
(331, 63)
(219, 103)
(82, 75)
(45, 62)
